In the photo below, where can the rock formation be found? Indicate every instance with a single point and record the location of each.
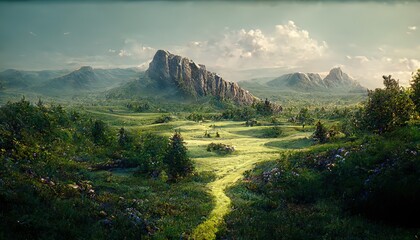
(193, 79)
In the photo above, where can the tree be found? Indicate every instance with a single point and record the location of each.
(304, 117)
(267, 108)
(415, 88)
(176, 158)
(98, 132)
(152, 150)
(124, 140)
(320, 134)
(387, 108)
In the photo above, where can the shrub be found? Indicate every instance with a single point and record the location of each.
(272, 132)
(220, 148)
(196, 117)
(251, 123)
(163, 119)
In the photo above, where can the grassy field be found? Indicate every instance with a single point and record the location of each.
(250, 148)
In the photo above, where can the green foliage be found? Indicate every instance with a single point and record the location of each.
(164, 119)
(332, 190)
(99, 130)
(176, 158)
(196, 117)
(220, 148)
(139, 106)
(415, 87)
(266, 108)
(321, 133)
(389, 108)
(151, 150)
(304, 117)
(48, 162)
(272, 132)
(251, 123)
(380, 179)
(239, 114)
(124, 140)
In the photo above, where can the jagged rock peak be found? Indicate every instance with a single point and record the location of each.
(193, 79)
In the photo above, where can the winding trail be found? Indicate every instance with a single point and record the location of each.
(250, 150)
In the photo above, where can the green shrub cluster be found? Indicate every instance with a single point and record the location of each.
(220, 148)
(49, 172)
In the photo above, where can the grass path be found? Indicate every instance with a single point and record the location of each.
(228, 169)
(250, 150)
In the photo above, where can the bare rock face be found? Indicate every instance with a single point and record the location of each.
(193, 79)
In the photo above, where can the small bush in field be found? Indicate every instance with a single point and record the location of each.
(272, 132)
(220, 148)
(163, 119)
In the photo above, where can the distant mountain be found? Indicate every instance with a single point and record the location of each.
(175, 76)
(87, 79)
(19, 79)
(81, 79)
(336, 80)
(298, 80)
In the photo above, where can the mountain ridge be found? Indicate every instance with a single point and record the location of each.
(335, 80)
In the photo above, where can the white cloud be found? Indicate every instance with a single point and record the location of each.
(33, 34)
(136, 51)
(124, 53)
(411, 29)
(66, 33)
(112, 50)
(285, 45)
(370, 70)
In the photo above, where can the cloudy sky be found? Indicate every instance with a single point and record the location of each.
(237, 39)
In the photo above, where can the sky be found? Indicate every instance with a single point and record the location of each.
(239, 40)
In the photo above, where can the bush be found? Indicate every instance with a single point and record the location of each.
(251, 123)
(381, 179)
(196, 117)
(220, 148)
(272, 132)
(163, 119)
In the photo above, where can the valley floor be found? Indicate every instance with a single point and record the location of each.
(250, 148)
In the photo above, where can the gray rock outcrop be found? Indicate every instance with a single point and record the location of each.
(193, 79)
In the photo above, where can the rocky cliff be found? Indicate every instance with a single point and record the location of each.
(193, 79)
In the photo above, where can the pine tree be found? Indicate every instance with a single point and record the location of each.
(122, 138)
(320, 133)
(176, 159)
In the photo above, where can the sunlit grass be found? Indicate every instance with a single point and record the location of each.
(250, 148)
